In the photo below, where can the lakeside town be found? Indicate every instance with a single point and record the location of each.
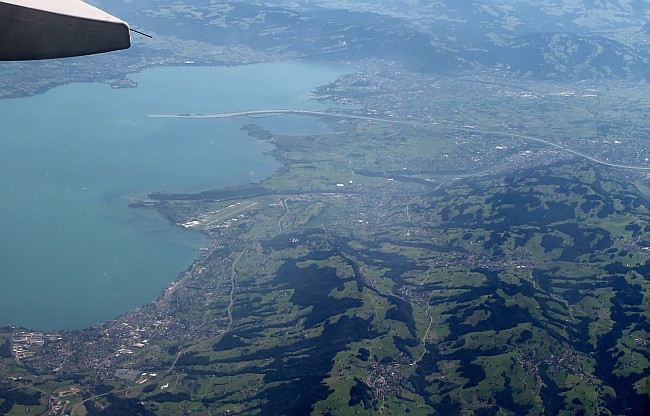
(464, 243)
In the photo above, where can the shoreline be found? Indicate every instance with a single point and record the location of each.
(180, 276)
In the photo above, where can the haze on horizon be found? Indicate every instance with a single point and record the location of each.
(458, 224)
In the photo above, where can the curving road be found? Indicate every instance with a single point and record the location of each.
(406, 122)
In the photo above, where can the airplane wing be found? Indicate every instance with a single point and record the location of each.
(43, 29)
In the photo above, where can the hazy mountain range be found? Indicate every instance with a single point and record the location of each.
(543, 39)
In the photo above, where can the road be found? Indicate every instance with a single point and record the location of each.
(286, 206)
(233, 273)
(431, 124)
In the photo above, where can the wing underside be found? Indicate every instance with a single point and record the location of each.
(41, 29)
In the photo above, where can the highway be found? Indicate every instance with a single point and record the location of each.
(432, 124)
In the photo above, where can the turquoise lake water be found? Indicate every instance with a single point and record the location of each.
(71, 251)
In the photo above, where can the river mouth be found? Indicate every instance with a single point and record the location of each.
(73, 253)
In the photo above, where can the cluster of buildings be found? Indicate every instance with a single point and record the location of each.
(26, 344)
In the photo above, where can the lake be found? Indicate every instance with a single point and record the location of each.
(72, 252)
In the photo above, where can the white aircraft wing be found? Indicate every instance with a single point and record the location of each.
(43, 29)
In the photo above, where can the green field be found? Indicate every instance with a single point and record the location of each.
(465, 244)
